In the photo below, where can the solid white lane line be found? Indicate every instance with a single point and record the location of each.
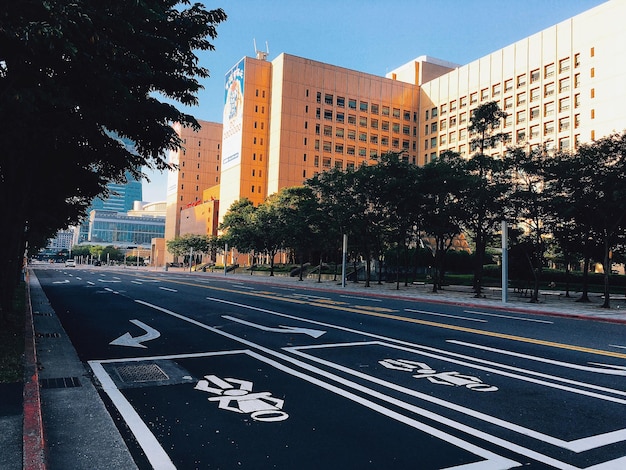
(509, 317)
(424, 312)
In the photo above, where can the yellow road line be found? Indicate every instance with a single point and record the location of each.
(389, 316)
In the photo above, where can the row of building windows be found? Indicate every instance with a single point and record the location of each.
(364, 106)
(496, 90)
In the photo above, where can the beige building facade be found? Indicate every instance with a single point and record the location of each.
(290, 118)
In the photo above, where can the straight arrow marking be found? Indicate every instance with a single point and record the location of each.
(280, 329)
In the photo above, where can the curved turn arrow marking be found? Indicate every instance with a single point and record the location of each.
(280, 329)
(135, 342)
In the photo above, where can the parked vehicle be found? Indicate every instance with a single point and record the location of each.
(70, 263)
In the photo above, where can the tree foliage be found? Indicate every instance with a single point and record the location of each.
(74, 77)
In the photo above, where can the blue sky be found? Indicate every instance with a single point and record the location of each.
(372, 36)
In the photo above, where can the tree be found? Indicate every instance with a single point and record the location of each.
(484, 198)
(594, 180)
(533, 188)
(298, 213)
(73, 77)
(442, 183)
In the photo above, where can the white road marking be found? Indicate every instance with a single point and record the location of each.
(424, 312)
(280, 329)
(128, 340)
(511, 317)
(150, 445)
(167, 289)
(430, 415)
(617, 346)
(360, 298)
(137, 282)
(610, 370)
(91, 283)
(578, 445)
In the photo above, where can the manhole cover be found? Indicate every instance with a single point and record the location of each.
(141, 373)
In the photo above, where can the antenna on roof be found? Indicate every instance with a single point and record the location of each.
(261, 55)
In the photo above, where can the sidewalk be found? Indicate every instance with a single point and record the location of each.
(76, 429)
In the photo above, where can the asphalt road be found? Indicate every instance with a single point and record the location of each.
(207, 372)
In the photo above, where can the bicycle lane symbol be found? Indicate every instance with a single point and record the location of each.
(424, 371)
(236, 395)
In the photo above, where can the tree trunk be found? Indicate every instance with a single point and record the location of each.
(585, 294)
(607, 273)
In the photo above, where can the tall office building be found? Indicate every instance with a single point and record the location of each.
(289, 118)
(198, 168)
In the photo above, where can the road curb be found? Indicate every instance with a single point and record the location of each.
(33, 440)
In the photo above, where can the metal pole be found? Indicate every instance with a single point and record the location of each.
(190, 256)
(344, 253)
(137, 257)
(505, 263)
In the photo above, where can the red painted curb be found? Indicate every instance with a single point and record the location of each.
(33, 442)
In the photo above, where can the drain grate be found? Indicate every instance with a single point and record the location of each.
(43, 314)
(48, 335)
(61, 382)
(141, 373)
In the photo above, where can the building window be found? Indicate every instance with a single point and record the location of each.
(351, 134)
(564, 85)
(352, 119)
(317, 129)
(350, 150)
(340, 117)
(521, 116)
(548, 90)
(319, 97)
(338, 148)
(576, 101)
(534, 113)
(385, 125)
(395, 127)
(548, 109)
(406, 129)
(564, 143)
(474, 98)
(534, 132)
(386, 111)
(443, 109)
(463, 102)
(374, 108)
(374, 123)
(328, 131)
(433, 127)
(521, 80)
(433, 142)
(362, 121)
(443, 124)
(521, 98)
(535, 76)
(452, 121)
(577, 80)
(452, 106)
(534, 94)
(496, 89)
(576, 121)
(521, 136)
(326, 162)
(396, 113)
(463, 134)
(508, 102)
(484, 94)
(592, 52)
(363, 106)
(328, 99)
(564, 65)
(395, 143)
(328, 146)
(373, 139)
(548, 71)
(508, 85)
(548, 128)
(339, 132)
(341, 102)
(363, 136)
(564, 124)
(328, 114)
(564, 104)
(593, 72)
(576, 60)
(407, 114)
